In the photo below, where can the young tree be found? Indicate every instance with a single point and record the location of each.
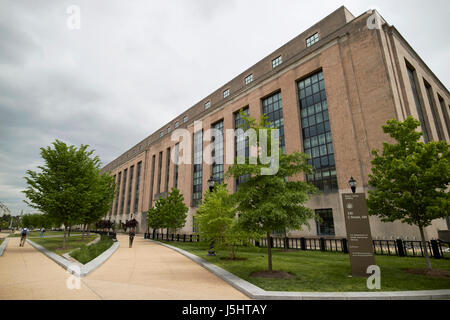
(63, 188)
(168, 212)
(217, 221)
(410, 179)
(272, 202)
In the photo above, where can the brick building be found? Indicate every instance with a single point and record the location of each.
(329, 91)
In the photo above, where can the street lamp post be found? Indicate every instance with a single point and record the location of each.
(352, 182)
(211, 183)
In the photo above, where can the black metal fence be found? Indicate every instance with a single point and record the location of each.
(403, 248)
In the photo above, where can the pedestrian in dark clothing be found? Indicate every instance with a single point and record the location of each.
(23, 237)
(132, 234)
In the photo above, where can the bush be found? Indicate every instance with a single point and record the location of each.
(86, 254)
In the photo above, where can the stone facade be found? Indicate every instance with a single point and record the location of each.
(366, 81)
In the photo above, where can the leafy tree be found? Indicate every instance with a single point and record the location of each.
(64, 187)
(410, 179)
(168, 212)
(272, 202)
(217, 222)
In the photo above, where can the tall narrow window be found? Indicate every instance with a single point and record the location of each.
(273, 109)
(249, 79)
(167, 170)
(177, 159)
(130, 189)
(113, 204)
(316, 130)
(241, 143)
(207, 105)
(124, 185)
(325, 225)
(119, 179)
(159, 171)
(226, 93)
(152, 180)
(418, 104)
(434, 112)
(137, 187)
(198, 169)
(218, 154)
(445, 112)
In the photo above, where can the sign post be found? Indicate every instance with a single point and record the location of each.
(359, 237)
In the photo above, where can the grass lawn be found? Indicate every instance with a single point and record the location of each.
(72, 243)
(316, 271)
(86, 254)
(46, 233)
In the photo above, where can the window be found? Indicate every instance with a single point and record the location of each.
(159, 172)
(445, 112)
(418, 104)
(313, 39)
(273, 109)
(317, 141)
(434, 112)
(113, 207)
(161, 134)
(276, 62)
(249, 79)
(167, 169)
(168, 129)
(226, 93)
(138, 185)
(241, 143)
(217, 154)
(152, 179)
(124, 184)
(185, 119)
(208, 105)
(130, 189)
(177, 124)
(325, 227)
(177, 159)
(116, 210)
(194, 225)
(198, 169)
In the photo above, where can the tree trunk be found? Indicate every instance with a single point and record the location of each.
(70, 227)
(425, 248)
(88, 227)
(269, 253)
(64, 238)
(82, 234)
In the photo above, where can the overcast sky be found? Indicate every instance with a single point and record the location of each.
(135, 65)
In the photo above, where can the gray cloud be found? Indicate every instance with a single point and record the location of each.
(136, 65)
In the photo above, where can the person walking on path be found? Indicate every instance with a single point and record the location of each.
(42, 232)
(23, 237)
(132, 234)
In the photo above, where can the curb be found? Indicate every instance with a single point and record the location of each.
(255, 292)
(3, 246)
(73, 268)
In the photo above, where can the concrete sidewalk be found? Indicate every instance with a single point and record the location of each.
(146, 271)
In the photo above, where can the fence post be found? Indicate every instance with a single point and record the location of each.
(435, 249)
(303, 244)
(184, 237)
(271, 242)
(344, 246)
(257, 243)
(172, 236)
(286, 243)
(322, 244)
(400, 248)
(178, 237)
(198, 238)
(190, 238)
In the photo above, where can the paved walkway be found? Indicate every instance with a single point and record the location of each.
(146, 271)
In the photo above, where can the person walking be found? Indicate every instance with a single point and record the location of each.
(132, 234)
(23, 237)
(42, 232)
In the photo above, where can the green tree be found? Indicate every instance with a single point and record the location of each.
(272, 202)
(63, 188)
(410, 179)
(169, 212)
(217, 222)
